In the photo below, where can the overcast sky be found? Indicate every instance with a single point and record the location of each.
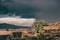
(48, 10)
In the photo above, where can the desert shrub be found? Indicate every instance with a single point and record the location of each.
(37, 27)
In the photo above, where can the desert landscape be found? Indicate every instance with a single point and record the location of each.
(51, 30)
(29, 19)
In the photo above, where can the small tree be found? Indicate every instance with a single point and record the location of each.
(7, 29)
(37, 26)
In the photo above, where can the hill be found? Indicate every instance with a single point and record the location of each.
(52, 25)
(5, 26)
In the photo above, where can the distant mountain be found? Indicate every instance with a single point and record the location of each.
(4, 25)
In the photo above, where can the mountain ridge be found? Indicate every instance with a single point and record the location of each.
(5, 25)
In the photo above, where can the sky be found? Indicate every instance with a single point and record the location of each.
(48, 10)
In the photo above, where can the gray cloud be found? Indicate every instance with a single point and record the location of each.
(48, 10)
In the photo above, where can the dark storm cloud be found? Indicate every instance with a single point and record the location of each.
(48, 10)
